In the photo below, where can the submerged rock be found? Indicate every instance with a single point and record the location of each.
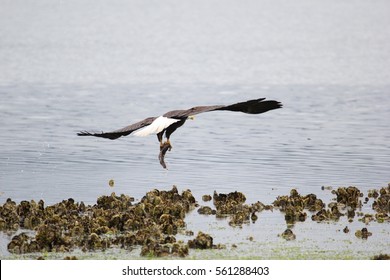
(294, 206)
(22, 244)
(233, 205)
(202, 241)
(288, 235)
(156, 249)
(363, 233)
(70, 258)
(327, 214)
(381, 257)
(349, 196)
(298, 202)
(382, 201)
(206, 210)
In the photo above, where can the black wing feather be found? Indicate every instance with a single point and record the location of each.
(119, 132)
(255, 106)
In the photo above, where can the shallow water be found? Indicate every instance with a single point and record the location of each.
(94, 65)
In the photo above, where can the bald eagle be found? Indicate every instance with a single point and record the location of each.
(172, 120)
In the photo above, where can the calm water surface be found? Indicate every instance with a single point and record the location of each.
(67, 66)
(323, 136)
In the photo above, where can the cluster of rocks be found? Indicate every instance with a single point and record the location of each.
(112, 221)
(348, 203)
(293, 206)
(159, 216)
(233, 205)
(381, 203)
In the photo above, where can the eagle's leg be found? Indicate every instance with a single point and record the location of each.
(170, 129)
(169, 144)
(160, 139)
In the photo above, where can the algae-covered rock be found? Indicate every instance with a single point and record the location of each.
(202, 241)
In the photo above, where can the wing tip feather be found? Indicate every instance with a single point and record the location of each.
(84, 133)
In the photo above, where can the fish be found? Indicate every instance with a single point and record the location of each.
(166, 146)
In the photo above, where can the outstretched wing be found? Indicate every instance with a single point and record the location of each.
(119, 132)
(254, 106)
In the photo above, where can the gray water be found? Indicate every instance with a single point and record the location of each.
(323, 136)
(71, 65)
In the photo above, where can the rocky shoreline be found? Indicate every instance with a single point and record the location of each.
(154, 222)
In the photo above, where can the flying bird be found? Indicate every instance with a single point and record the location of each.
(172, 120)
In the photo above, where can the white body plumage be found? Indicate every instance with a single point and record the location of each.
(156, 126)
